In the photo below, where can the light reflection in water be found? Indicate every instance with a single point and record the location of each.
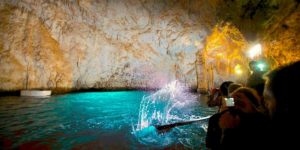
(95, 120)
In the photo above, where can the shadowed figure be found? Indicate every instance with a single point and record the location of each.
(281, 97)
(217, 95)
(255, 79)
(242, 126)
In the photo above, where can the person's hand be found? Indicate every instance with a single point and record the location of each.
(215, 99)
(228, 120)
(215, 90)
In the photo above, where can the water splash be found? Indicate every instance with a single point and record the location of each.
(164, 106)
(170, 104)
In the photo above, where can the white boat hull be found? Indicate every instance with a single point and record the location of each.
(35, 93)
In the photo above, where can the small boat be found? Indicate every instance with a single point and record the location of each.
(36, 93)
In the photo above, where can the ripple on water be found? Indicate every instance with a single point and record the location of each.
(93, 120)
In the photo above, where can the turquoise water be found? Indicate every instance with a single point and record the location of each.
(92, 120)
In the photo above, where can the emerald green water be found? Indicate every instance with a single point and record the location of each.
(92, 120)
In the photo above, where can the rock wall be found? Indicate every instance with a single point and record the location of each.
(273, 23)
(282, 39)
(129, 44)
(98, 44)
(225, 56)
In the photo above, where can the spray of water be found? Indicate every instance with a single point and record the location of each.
(171, 104)
(165, 106)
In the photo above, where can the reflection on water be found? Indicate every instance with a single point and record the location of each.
(94, 120)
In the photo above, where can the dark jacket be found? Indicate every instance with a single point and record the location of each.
(256, 82)
(251, 133)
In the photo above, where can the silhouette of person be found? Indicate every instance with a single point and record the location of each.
(282, 100)
(255, 79)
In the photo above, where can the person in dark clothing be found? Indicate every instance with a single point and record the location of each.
(282, 100)
(224, 87)
(246, 131)
(214, 132)
(243, 126)
(234, 129)
(215, 98)
(255, 79)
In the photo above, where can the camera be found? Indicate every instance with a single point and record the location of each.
(229, 102)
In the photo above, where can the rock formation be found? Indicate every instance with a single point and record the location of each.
(132, 44)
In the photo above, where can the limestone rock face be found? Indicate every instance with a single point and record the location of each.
(273, 23)
(97, 44)
(282, 39)
(30, 57)
(110, 44)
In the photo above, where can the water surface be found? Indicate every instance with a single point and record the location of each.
(91, 120)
